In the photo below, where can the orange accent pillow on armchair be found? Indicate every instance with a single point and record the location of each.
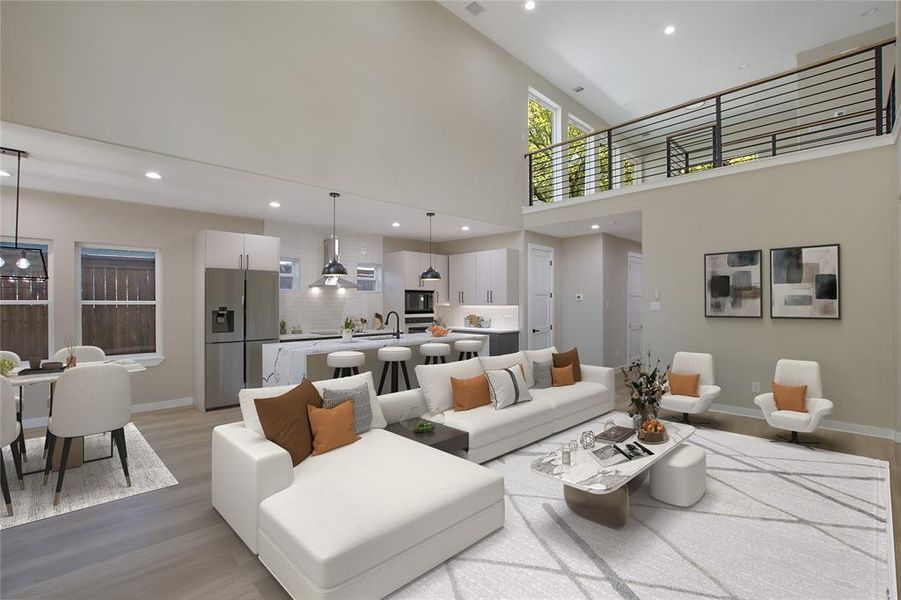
(683, 384)
(790, 397)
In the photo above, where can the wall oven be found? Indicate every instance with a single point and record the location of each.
(419, 302)
(419, 323)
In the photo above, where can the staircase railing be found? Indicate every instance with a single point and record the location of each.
(847, 97)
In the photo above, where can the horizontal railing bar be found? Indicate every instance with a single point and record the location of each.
(745, 86)
(793, 118)
(795, 111)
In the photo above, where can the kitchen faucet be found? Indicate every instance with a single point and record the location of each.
(396, 323)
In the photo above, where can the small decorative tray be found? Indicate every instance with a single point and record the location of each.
(615, 434)
(41, 371)
(653, 437)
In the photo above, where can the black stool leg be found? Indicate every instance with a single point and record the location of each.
(354, 371)
(428, 360)
(67, 445)
(49, 443)
(403, 367)
(443, 360)
(119, 435)
(393, 376)
(459, 358)
(5, 486)
(335, 375)
(17, 463)
(382, 380)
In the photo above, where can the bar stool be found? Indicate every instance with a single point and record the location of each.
(467, 348)
(433, 351)
(345, 362)
(392, 355)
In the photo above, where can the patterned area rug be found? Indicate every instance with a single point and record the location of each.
(91, 484)
(778, 521)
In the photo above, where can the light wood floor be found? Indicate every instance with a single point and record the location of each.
(172, 544)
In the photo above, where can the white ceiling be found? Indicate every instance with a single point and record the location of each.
(617, 50)
(73, 165)
(625, 225)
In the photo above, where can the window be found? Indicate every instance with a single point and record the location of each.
(118, 303)
(603, 166)
(544, 130)
(369, 277)
(628, 172)
(288, 274)
(577, 157)
(25, 311)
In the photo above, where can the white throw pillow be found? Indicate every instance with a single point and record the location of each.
(435, 382)
(542, 355)
(249, 408)
(346, 383)
(507, 387)
(505, 361)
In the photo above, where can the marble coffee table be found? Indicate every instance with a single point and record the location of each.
(602, 494)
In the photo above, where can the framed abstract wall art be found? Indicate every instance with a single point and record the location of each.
(732, 284)
(805, 282)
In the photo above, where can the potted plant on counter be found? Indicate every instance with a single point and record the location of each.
(347, 330)
(646, 385)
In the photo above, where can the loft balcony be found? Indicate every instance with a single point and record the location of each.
(834, 101)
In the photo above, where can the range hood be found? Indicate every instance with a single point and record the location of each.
(332, 281)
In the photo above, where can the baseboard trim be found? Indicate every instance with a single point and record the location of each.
(843, 426)
(135, 408)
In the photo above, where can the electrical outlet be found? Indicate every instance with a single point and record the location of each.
(755, 387)
(580, 297)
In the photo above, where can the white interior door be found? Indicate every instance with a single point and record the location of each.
(541, 297)
(634, 304)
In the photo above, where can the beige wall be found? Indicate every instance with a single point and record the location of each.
(65, 220)
(579, 271)
(398, 101)
(851, 199)
(616, 306)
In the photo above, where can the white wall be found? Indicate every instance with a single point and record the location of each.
(579, 270)
(616, 306)
(398, 101)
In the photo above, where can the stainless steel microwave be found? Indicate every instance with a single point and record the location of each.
(419, 302)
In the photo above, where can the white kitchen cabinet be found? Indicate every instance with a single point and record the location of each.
(462, 278)
(504, 267)
(412, 270)
(483, 278)
(486, 277)
(440, 263)
(230, 250)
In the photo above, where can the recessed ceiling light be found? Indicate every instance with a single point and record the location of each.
(395, 224)
(275, 204)
(595, 226)
(4, 174)
(152, 175)
(529, 5)
(465, 228)
(744, 66)
(670, 30)
(869, 12)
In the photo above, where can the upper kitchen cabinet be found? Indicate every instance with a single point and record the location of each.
(440, 287)
(486, 277)
(405, 267)
(230, 250)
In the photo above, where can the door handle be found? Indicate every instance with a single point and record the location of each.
(247, 262)
(535, 331)
(241, 261)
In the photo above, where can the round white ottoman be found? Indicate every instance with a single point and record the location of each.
(680, 477)
(467, 348)
(394, 356)
(434, 351)
(345, 362)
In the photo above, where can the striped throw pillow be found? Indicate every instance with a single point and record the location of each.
(507, 387)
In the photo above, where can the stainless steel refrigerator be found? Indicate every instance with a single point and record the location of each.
(241, 315)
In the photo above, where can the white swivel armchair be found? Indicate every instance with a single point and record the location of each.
(10, 432)
(708, 391)
(90, 399)
(82, 354)
(794, 373)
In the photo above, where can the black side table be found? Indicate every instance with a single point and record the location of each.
(441, 437)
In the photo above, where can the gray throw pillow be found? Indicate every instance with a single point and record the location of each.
(541, 373)
(362, 409)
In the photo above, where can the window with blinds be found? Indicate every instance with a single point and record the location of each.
(118, 301)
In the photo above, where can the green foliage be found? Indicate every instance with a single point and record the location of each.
(348, 324)
(603, 159)
(576, 160)
(541, 135)
(628, 172)
(6, 366)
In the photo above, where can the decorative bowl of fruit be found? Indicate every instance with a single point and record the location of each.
(653, 432)
(438, 331)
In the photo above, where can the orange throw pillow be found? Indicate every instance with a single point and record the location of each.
(561, 376)
(569, 358)
(332, 427)
(790, 397)
(683, 384)
(470, 393)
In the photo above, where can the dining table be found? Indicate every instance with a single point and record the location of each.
(23, 377)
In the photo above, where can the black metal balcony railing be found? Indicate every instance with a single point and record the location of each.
(845, 98)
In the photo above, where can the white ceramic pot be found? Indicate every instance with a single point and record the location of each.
(347, 336)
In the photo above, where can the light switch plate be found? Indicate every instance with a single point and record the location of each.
(655, 307)
(755, 387)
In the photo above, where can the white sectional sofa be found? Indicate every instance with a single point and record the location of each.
(362, 520)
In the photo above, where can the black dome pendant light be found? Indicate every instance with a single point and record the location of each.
(334, 267)
(430, 274)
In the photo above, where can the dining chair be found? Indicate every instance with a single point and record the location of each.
(89, 399)
(17, 362)
(10, 432)
(82, 354)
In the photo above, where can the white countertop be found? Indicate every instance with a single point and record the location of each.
(485, 329)
(324, 346)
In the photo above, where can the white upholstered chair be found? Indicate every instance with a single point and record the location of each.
(89, 399)
(708, 391)
(82, 354)
(794, 373)
(10, 434)
(17, 362)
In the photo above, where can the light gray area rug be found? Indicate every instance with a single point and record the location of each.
(777, 521)
(89, 485)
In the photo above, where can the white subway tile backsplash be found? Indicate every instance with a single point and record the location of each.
(502, 317)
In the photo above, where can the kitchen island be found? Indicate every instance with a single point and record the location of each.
(287, 363)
